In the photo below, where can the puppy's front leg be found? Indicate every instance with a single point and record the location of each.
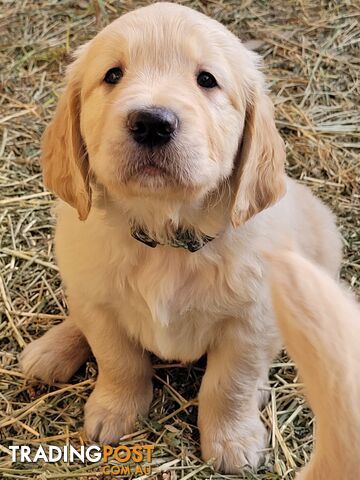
(229, 420)
(123, 390)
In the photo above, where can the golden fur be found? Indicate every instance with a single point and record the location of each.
(320, 324)
(224, 177)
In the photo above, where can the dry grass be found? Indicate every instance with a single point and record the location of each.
(312, 63)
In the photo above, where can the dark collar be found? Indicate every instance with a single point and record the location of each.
(181, 239)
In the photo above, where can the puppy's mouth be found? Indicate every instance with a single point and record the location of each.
(167, 166)
(158, 166)
(152, 170)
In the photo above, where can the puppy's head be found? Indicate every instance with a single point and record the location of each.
(166, 103)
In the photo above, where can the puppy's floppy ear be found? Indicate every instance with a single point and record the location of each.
(259, 179)
(64, 157)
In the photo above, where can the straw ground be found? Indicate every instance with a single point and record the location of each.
(312, 64)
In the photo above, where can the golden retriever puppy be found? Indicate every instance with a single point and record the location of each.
(170, 170)
(321, 328)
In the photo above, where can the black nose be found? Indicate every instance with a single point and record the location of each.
(153, 126)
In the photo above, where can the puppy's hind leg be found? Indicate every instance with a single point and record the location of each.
(57, 355)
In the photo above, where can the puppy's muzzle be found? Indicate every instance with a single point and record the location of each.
(152, 127)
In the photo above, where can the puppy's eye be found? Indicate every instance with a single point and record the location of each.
(113, 75)
(206, 80)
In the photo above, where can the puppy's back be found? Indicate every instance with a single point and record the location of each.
(318, 236)
(321, 328)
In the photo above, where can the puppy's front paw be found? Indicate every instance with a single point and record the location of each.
(111, 414)
(56, 356)
(234, 446)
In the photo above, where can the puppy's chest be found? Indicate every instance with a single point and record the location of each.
(176, 308)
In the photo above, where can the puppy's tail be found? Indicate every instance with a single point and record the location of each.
(320, 324)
